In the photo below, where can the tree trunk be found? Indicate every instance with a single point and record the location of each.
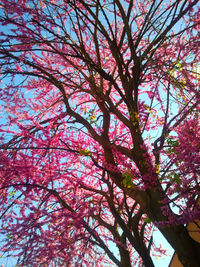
(125, 257)
(143, 252)
(187, 249)
(147, 260)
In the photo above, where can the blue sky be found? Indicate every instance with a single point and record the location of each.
(162, 261)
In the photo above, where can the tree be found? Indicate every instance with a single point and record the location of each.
(100, 131)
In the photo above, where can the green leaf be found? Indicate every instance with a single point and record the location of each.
(172, 142)
(174, 178)
(147, 220)
(177, 178)
(85, 152)
(127, 181)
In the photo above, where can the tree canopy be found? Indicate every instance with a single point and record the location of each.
(99, 131)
